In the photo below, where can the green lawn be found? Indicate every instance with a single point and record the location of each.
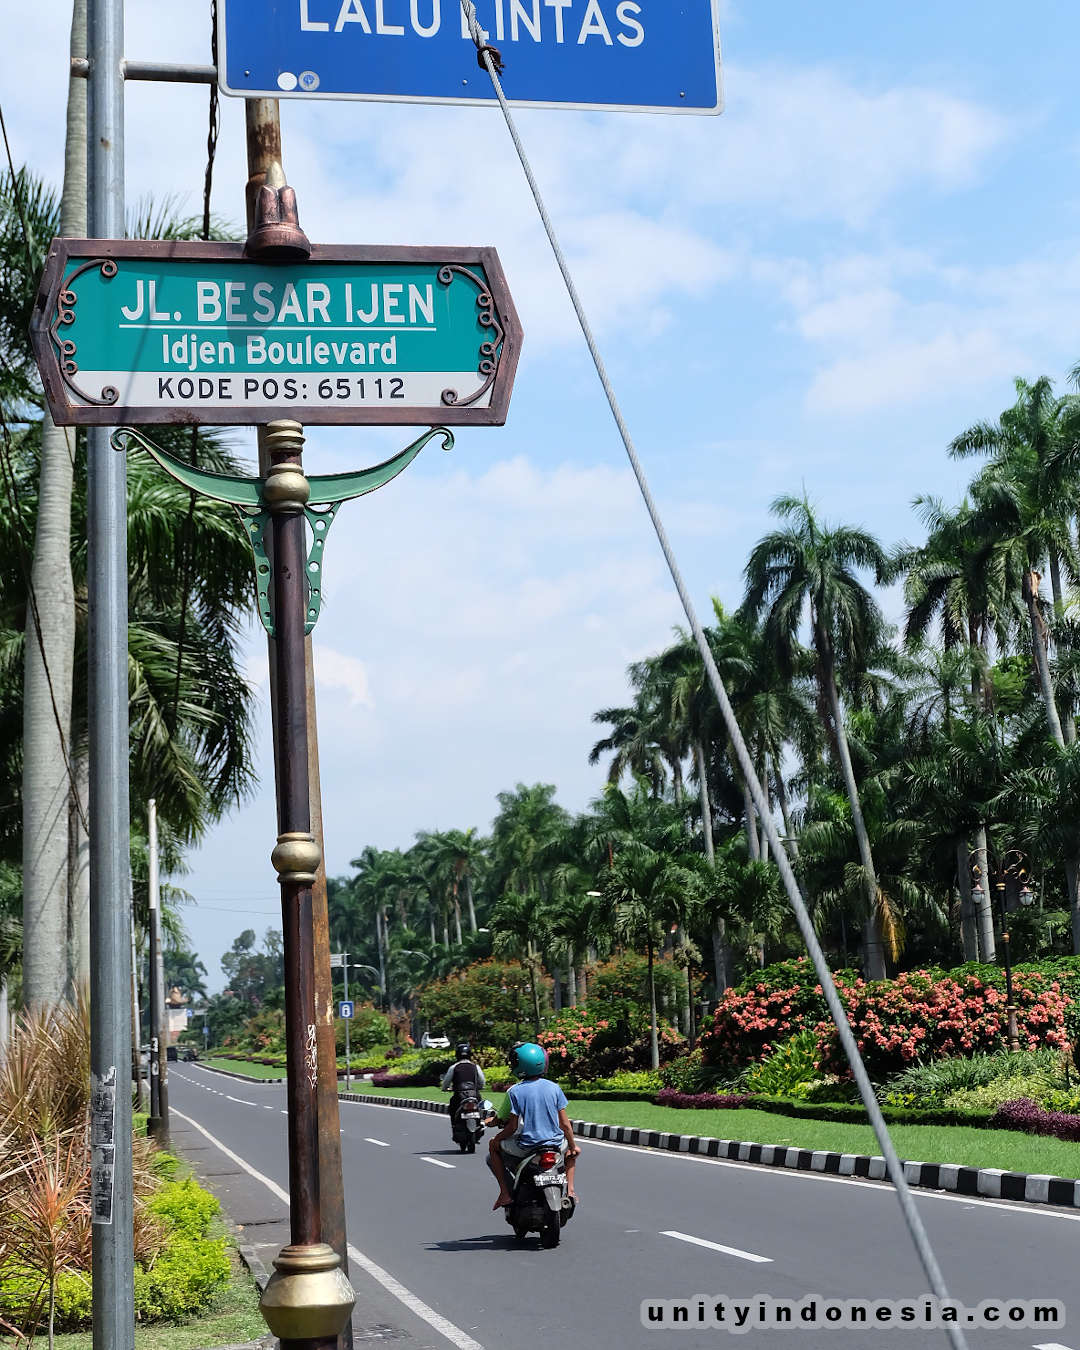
(1007, 1149)
(245, 1066)
(231, 1319)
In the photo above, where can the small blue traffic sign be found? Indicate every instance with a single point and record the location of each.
(642, 55)
(345, 1009)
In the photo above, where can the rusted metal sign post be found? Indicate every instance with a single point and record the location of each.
(111, 317)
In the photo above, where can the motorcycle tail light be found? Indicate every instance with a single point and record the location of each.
(548, 1159)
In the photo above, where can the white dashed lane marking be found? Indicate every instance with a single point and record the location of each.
(436, 1163)
(240, 1101)
(381, 1142)
(718, 1247)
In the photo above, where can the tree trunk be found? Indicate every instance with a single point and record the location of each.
(50, 627)
(1071, 877)
(720, 956)
(571, 983)
(684, 980)
(1069, 723)
(873, 945)
(984, 908)
(763, 774)
(79, 878)
(654, 1041)
(969, 932)
(5, 1019)
(469, 899)
(533, 985)
(556, 988)
(785, 812)
(706, 806)
(582, 985)
(1042, 664)
(431, 926)
(751, 825)
(457, 920)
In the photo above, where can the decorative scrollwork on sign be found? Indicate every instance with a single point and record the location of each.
(66, 301)
(488, 363)
(311, 1057)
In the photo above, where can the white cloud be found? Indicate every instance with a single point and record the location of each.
(336, 671)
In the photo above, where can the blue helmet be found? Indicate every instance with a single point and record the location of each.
(529, 1060)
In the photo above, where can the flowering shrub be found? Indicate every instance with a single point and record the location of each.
(1028, 1116)
(581, 1044)
(761, 1013)
(925, 1015)
(702, 1101)
(921, 1015)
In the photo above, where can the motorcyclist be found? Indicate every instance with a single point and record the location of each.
(462, 1074)
(537, 1119)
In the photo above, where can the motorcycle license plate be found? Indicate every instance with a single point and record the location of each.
(549, 1179)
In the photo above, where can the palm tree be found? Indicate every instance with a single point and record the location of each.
(807, 571)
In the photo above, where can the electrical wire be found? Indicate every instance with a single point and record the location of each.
(893, 1165)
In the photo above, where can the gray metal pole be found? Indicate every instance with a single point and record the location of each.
(158, 1124)
(136, 1024)
(345, 975)
(106, 528)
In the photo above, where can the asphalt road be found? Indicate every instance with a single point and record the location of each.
(649, 1226)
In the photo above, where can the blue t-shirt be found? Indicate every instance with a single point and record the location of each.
(537, 1102)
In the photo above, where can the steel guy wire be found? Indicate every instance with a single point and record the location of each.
(893, 1164)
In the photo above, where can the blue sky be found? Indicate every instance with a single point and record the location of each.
(819, 288)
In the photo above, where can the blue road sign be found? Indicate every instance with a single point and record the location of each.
(642, 55)
(345, 1009)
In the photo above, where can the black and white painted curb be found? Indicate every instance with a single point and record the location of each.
(988, 1183)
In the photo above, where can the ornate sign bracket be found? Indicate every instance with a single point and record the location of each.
(245, 495)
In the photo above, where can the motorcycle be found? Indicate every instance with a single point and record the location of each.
(467, 1126)
(540, 1201)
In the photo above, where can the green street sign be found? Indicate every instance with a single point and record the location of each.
(134, 331)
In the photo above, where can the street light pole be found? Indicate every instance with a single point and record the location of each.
(112, 1202)
(1010, 1007)
(308, 1300)
(158, 1124)
(345, 977)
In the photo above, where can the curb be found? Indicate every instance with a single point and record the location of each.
(990, 1183)
(413, 1103)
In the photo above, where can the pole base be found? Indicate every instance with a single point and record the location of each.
(308, 1297)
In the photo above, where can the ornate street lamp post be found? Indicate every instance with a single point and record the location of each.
(1013, 863)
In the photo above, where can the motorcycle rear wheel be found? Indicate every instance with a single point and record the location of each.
(551, 1231)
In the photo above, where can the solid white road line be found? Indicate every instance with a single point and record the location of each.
(381, 1142)
(416, 1305)
(1051, 1345)
(436, 1163)
(718, 1247)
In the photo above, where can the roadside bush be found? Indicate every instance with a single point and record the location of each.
(45, 1227)
(703, 1101)
(756, 1016)
(689, 1073)
(924, 1015)
(369, 1030)
(920, 1016)
(489, 1001)
(1028, 1116)
(936, 1080)
(789, 1071)
(582, 1045)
